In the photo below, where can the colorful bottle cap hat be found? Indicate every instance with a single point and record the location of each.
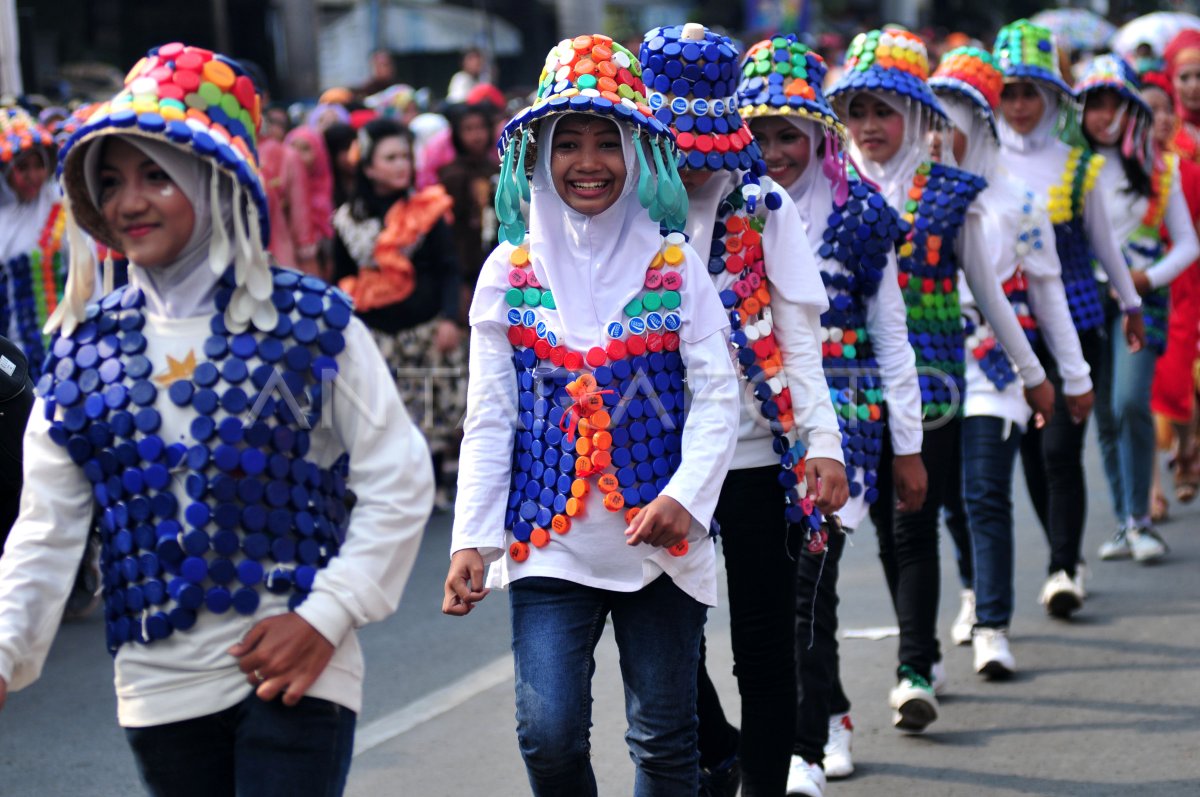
(1025, 51)
(691, 79)
(971, 73)
(66, 127)
(891, 60)
(589, 74)
(20, 132)
(782, 77)
(1115, 74)
(593, 75)
(197, 100)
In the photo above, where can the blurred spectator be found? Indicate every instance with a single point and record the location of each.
(394, 255)
(383, 74)
(276, 123)
(433, 147)
(284, 178)
(468, 77)
(469, 179)
(310, 147)
(336, 96)
(338, 140)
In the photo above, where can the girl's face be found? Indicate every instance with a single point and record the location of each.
(149, 216)
(28, 175)
(1187, 85)
(1164, 115)
(1022, 106)
(1104, 117)
(786, 148)
(304, 149)
(875, 127)
(391, 168)
(587, 163)
(475, 134)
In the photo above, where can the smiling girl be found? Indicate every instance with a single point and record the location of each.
(787, 470)
(210, 416)
(1150, 216)
(1062, 179)
(591, 488)
(865, 353)
(967, 84)
(890, 113)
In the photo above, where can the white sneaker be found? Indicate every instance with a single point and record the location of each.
(1061, 595)
(940, 679)
(960, 632)
(1082, 575)
(993, 659)
(1146, 545)
(1117, 547)
(914, 705)
(805, 778)
(838, 763)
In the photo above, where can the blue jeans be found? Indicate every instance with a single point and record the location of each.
(989, 448)
(252, 748)
(1126, 428)
(556, 625)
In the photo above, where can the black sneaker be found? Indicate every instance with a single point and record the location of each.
(721, 781)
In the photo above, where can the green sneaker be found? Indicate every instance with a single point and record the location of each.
(914, 706)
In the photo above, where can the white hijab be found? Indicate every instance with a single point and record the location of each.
(982, 146)
(1046, 131)
(594, 265)
(895, 177)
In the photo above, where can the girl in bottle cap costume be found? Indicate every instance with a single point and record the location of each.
(968, 84)
(864, 347)
(32, 246)
(890, 112)
(211, 414)
(591, 489)
(1035, 104)
(1150, 216)
(788, 436)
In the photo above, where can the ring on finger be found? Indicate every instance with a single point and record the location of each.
(258, 674)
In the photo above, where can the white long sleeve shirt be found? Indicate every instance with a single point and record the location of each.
(190, 674)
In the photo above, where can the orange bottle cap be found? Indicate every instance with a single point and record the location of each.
(539, 538)
(561, 524)
(679, 548)
(607, 483)
(579, 488)
(519, 551)
(614, 502)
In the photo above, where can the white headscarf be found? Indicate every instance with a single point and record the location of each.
(895, 177)
(1043, 133)
(594, 265)
(982, 146)
(182, 288)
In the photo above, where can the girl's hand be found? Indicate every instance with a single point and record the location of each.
(1040, 399)
(663, 523)
(908, 472)
(464, 583)
(1135, 331)
(447, 336)
(283, 654)
(1080, 406)
(827, 484)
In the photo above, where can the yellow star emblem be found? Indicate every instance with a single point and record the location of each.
(178, 369)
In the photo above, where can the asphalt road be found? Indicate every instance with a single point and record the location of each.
(1108, 704)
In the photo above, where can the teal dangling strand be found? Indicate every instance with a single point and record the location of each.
(667, 196)
(681, 209)
(522, 178)
(508, 203)
(646, 189)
